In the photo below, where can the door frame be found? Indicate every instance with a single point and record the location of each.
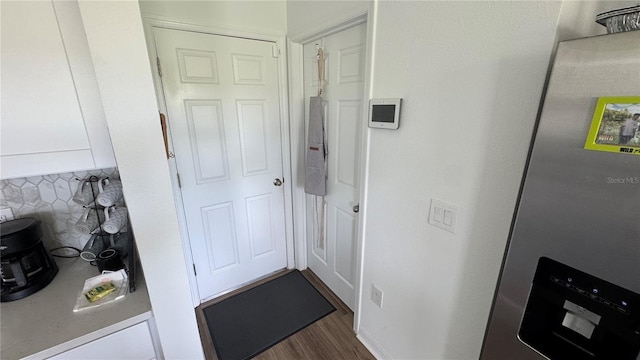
(295, 47)
(151, 22)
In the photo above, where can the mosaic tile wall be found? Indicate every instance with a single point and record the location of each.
(49, 199)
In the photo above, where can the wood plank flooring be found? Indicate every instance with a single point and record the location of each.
(329, 338)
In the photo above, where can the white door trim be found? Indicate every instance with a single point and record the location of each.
(352, 15)
(152, 21)
(364, 160)
(351, 22)
(296, 109)
(169, 23)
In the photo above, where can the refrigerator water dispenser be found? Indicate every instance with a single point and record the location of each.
(574, 315)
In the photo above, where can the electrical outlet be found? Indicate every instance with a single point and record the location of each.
(376, 295)
(6, 214)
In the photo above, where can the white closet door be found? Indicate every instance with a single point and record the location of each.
(332, 252)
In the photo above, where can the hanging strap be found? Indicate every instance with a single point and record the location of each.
(320, 58)
(319, 218)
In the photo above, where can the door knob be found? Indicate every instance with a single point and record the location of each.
(277, 182)
(356, 208)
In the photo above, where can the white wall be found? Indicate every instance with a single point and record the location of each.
(471, 75)
(116, 41)
(264, 17)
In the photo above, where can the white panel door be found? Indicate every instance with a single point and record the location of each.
(332, 250)
(223, 109)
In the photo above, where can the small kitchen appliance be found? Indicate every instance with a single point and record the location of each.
(26, 266)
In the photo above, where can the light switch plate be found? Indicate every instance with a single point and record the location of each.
(443, 215)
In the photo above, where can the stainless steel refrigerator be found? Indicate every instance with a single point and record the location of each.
(570, 283)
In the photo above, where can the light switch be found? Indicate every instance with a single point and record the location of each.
(443, 215)
(448, 217)
(437, 216)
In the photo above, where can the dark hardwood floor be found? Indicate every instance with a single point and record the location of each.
(329, 338)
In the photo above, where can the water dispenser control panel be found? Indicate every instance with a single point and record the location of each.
(573, 315)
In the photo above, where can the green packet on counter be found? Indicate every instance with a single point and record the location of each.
(99, 292)
(102, 289)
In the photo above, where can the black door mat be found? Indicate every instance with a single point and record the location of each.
(249, 323)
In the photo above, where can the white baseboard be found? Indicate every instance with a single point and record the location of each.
(372, 345)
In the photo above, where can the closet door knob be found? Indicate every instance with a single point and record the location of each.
(277, 182)
(356, 208)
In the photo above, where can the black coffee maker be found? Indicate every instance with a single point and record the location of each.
(26, 266)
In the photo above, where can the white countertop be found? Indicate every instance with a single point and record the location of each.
(44, 323)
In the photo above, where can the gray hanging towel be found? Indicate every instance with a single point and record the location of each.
(315, 173)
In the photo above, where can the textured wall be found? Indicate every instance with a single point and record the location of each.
(49, 199)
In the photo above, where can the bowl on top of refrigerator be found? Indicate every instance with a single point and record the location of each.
(620, 20)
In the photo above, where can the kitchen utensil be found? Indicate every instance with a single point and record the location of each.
(92, 248)
(109, 259)
(88, 222)
(115, 219)
(110, 192)
(86, 193)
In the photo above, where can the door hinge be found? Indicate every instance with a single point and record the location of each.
(275, 51)
(194, 270)
(179, 182)
(159, 68)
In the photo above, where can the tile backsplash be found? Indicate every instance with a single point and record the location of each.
(49, 199)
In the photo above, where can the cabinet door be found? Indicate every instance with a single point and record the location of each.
(131, 343)
(47, 125)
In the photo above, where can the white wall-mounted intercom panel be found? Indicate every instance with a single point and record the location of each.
(384, 113)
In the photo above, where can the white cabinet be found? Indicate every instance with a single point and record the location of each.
(131, 343)
(51, 119)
